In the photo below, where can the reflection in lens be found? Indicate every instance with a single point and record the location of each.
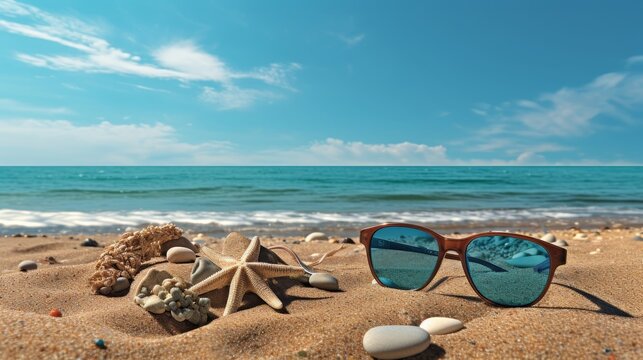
(506, 270)
(403, 258)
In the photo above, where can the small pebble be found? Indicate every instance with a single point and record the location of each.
(441, 325)
(549, 237)
(55, 313)
(154, 304)
(27, 265)
(324, 281)
(332, 241)
(561, 243)
(595, 252)
(121, 284)
(374, 282)
(100, 343)
(347, 241)
(89, 243)
(105, 290)
(180, 255)
(180, 242)
(395, 341)
(316, 236)
(580, 236)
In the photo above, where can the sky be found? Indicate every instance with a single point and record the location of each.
(321, 83)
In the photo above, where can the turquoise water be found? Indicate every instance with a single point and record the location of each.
(59, 198)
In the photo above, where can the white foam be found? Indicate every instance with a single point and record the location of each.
(74, 219)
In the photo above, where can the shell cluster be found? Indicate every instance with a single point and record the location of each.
(173, 296)
(124, 257)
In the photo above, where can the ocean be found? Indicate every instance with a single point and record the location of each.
(298, 199)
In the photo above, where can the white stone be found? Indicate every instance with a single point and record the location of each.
(441, 325)
(316, 236)
(324, 281)
(561, 243)
(580, 236)
(595, 252)
(395, 341)
(27, 265)
(549, 237)
(154, 304)
(180, 255)
(374, 282)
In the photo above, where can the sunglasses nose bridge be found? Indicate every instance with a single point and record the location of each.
(456, 245)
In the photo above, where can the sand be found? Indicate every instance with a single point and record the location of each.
(593, 309)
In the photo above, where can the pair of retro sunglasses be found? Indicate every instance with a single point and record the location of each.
(503, 268)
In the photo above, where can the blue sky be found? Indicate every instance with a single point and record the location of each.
(321, 83)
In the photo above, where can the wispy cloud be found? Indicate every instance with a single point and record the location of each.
(183, 60)
(230, 97)
(637, 59)
(59, 142)
(532, 126)
(10, 105)
(151, 89)
(351, 40)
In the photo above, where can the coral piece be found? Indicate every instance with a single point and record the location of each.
(124, 257)
(243, 275)
(172, 295)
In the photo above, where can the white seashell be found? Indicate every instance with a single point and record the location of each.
(316, 236)
(395, 341)
(441, 325)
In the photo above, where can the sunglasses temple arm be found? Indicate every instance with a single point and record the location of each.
(390, 245)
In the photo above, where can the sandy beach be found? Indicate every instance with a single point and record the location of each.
(592, 310)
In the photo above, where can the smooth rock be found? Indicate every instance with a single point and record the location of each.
(180, 255)
(324, 281)
(395, 341)
(561, 243)
(89, 243)
(152, 278)
(549, 237)
(526, 261)
(374, 282)
(180, 242)
(580, 236)
(316, 236)
(347, 241)
(105, 290)
(441, 325)
(121, 284)
(154, 304)
(27, 265)
(202, 269)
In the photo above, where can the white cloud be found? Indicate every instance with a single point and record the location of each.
(9, 105)
(231, 97)
(147, 88)
(183, 60)
(634, 59)
(351, 40)
(335, 151)
(59, 142)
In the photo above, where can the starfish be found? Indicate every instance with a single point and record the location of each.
(243, 275)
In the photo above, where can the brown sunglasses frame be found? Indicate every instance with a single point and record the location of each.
(557, 255)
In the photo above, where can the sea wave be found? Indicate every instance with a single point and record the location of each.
(25, 219)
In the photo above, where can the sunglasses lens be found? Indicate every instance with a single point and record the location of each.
(403, 258)
(506, 270)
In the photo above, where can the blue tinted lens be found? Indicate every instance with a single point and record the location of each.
(403, 258)
(506, 270)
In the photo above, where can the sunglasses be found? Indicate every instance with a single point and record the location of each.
(503, 268)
